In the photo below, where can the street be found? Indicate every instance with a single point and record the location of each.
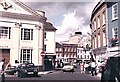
(57, 76)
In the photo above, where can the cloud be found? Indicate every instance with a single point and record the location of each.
(70, 24)
(67, 17)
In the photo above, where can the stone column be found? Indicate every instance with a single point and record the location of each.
(15, 42)
(41, 43)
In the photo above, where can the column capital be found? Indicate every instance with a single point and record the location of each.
(38, 27)
(18, 25)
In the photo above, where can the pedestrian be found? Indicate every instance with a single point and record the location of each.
(2, 70)
(82, 67)
(93, 67)
(86, 67)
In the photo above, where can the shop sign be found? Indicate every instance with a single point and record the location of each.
(3, 46)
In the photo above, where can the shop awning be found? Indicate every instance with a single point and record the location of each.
(109, 54)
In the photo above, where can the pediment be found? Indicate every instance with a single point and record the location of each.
(14, 6)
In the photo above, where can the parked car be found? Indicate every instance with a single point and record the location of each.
(68, 67)
(75, 65)
(111, 71)
(11, 70)
(26, 69)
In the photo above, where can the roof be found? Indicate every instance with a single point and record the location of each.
(22, 5)
(97, 7)
(49, 27)
(58, 45)
(20, 16)
(35, 16)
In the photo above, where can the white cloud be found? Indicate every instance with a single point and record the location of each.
(70, 24)
(73, 16)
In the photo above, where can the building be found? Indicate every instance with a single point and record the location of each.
(70, 52)
(83, 42)
(59, 52)
(113, 28)
(21, 33)
(77, 48)
(49, 46)
(99, 30)
(66, 52)
(108, 15)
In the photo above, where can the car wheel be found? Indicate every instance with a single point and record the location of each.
(36, 74)
(21, 75)
(72, 70)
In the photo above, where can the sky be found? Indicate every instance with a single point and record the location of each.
(67, 16)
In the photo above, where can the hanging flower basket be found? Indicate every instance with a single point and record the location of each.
(114, 40)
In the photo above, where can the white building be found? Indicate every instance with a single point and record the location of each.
(49, 46)
(21, 33)
(84, 44)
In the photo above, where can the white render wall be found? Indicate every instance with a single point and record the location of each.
(50, 42)
(15, 44)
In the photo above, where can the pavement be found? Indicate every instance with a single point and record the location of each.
(99, 75)
(45, 72)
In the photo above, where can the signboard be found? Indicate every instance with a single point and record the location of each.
(43, 54)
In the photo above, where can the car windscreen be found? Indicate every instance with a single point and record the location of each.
(30, 65)
(67, 64)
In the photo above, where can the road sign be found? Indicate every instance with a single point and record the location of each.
(43, 54)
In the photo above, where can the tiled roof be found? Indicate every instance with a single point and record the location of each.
(49, 27)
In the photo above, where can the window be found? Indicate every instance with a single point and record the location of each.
(98, 21)
(104, 38)
(58, 55)
(44, 47)
(26, 34)
(115, 11)
(103, 18)
(45, 35)
(26, 55)
(95, 42)
(98, 40)
(88, 56)
(114, 32)
(94, 25)
(85, 56)
(81, 56)
(5, 32)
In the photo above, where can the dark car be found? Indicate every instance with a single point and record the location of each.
(11, 70)
(111, 71)
(27, 69)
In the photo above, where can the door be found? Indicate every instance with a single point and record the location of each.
(6, 55)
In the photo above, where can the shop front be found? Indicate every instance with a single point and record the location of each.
(49, 62)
